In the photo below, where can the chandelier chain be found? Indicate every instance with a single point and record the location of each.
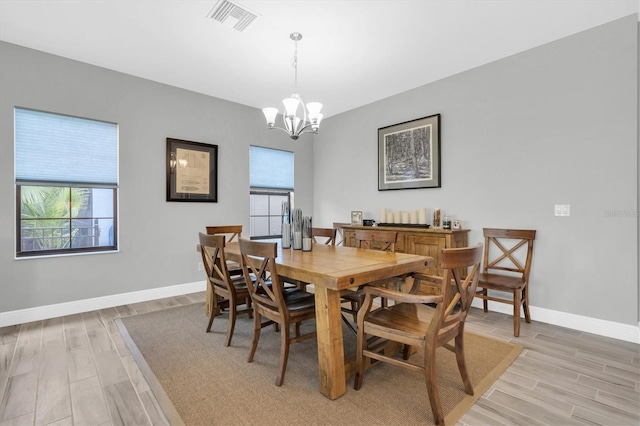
(294, 63)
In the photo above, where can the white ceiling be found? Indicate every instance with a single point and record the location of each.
(353, 52)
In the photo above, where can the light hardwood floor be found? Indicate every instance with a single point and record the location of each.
(77, 370)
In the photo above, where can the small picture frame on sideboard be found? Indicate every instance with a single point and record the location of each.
(356, 218)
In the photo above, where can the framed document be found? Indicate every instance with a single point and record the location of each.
(192, 171)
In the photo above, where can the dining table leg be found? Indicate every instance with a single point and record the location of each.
(330, 345)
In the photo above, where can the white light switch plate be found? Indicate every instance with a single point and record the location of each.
(562, 210)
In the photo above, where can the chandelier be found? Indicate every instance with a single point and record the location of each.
(296, 123)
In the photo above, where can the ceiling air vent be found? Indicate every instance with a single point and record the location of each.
(232, 15)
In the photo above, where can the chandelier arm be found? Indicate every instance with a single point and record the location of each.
(281, 128)
(308, 129)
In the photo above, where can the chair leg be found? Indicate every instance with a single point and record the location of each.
(516, 313)
(247, 304)
(232, 322)
(211, 317)
(284, 353)
(462, 365)
(525, 303)
(360, 347)
(257, 327)
(485, 302)
(432, 387)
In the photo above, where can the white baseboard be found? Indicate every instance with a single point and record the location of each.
(61, 309)
(615, 330)
(626, 332)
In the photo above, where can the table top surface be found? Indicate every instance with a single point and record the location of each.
(338, 267)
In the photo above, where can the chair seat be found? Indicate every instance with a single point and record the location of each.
(297, 300)
(356, 296)
(500, 281)
(408, 320)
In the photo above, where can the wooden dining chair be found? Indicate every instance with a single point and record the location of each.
(373, 240)
(411, 322)
(506, 270)
(283, 308)
(226, 292)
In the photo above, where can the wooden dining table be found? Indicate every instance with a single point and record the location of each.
(332, 269)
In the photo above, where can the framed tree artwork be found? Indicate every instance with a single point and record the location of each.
(409, 154)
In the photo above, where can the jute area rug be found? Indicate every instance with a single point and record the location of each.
(199, 381)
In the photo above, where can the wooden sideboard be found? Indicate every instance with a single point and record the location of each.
(423, 241)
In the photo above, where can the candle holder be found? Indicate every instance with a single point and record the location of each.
(306, 234)
(286, 225)
(296, 226)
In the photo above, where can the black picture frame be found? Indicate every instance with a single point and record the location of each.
(409, 154)
(192, 171)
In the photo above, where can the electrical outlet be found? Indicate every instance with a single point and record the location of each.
(200, 266)
(562, 209)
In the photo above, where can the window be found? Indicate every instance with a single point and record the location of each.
(271, 181)
(66, 184)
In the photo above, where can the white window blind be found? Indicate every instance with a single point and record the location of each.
(59, 148)
(270, 168)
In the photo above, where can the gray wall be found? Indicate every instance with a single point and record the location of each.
(555, 124)
(157, 238)
(552, 125)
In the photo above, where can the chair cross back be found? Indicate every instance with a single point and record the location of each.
(328, 233)
(372, 239)
(493, 236)
(376, 239)
(265, 290)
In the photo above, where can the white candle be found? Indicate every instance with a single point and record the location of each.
(422, 216)
(383, 215)
(389, 217)
(405, 217)
(398, 217)
(414, 217)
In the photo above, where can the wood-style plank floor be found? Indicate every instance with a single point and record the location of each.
(77, 370)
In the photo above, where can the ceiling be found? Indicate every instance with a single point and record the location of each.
(352, 52)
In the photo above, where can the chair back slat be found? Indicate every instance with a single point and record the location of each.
(259, 261)
(505, 243)
(457, 290)
(215, 264)
(235, 231)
